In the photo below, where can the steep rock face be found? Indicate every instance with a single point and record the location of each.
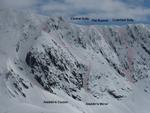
(54, 67)
(124, 47)
(129, 44)
(17, 83)
(98, 62)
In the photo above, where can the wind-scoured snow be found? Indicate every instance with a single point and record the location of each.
(48, 65)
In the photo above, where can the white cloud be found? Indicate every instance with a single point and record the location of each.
(17, 3)
(97, 8)
(100, 8)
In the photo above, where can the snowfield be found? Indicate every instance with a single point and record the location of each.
(48, 65)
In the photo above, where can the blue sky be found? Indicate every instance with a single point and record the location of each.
(139, 10)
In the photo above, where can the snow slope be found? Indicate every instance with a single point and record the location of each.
(47, 60)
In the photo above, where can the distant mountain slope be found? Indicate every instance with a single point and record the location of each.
(49, 59)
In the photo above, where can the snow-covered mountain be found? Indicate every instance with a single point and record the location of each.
(81, 69)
